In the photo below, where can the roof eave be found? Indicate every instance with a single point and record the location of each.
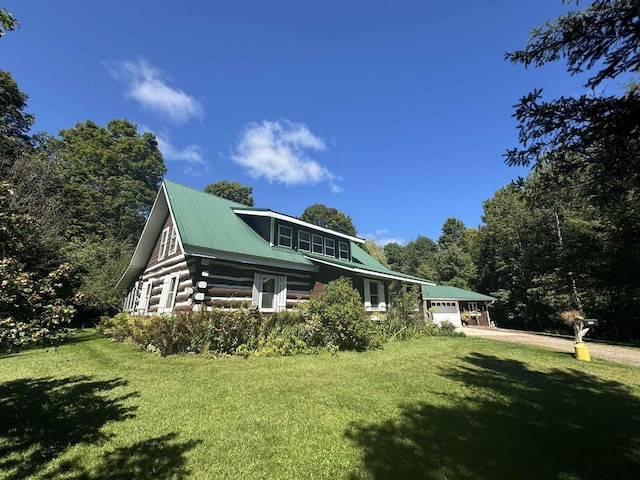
(247, 259)
(371, 273)
(281, 216)
(146, 242)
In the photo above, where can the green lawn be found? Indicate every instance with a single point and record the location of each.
(434, 408)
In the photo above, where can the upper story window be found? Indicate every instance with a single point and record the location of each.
(343, 250)
(285, 236)
(304, 241)
(318, 244)
(173, 241)
(164, 238)
(330, 247)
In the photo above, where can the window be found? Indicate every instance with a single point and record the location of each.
(304, 241)
(373, 293)
(343, 248)
(285, 234)
(173, 241)
(330, 247)
(143, 307)
(269, 292)
(129, 303)
(169, 292)
(163, 244)
(318, 244)
(374, 296)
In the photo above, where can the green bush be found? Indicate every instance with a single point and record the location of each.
(228, 330)
(338, 318)
(444, 329)
(335, 321)
(403, 320)
(215, 331)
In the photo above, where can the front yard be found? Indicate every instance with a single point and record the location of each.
(432, 408)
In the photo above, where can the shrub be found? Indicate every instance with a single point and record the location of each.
(215, 331)
(228, 330)
(334, 321)
(403, 320)
(33, 309)
(444, 329)
(338, 318)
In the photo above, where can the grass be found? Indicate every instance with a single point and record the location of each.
(433, 408)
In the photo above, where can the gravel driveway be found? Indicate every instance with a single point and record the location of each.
(614, 353)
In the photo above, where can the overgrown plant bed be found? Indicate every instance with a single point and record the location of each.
(334, 321)
(243, 332)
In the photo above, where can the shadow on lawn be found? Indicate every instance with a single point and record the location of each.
(519, 423)
(43, 418)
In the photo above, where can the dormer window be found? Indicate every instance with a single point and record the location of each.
(343, 250)
(285, 236)
(318, 244)
(304, 241)
(330, 247)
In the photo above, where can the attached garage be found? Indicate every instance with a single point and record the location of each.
(456, 305)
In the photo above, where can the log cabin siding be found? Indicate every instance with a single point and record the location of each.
(229, 285)
(153, 258)
(157, 272)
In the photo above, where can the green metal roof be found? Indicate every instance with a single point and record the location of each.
(451, 293)
(207, 222)
(207, 225)
(363, 261)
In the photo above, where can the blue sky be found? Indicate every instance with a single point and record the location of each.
(396, 113)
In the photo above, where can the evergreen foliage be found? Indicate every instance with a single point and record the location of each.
(566, 238)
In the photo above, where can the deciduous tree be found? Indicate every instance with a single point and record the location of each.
(7, 22)
(234, 191)
(331, 218)
(111, 177)
(14, 122)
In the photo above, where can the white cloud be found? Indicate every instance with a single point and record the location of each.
(277, 151)
(336, 188)
(382, 238)
(192, 154)
(148, 85)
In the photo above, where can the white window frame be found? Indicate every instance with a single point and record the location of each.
(282, 236)
(164, 237)
(169, 293)
(145, 297)
(343, 248)
(381, 306)
(130, 301)
(327, 248)
(301, 241)
(279, 296)
(173, 241)
(317, 241)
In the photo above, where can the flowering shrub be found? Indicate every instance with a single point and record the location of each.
(32, 310)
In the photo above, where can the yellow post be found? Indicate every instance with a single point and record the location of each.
(582, 352)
